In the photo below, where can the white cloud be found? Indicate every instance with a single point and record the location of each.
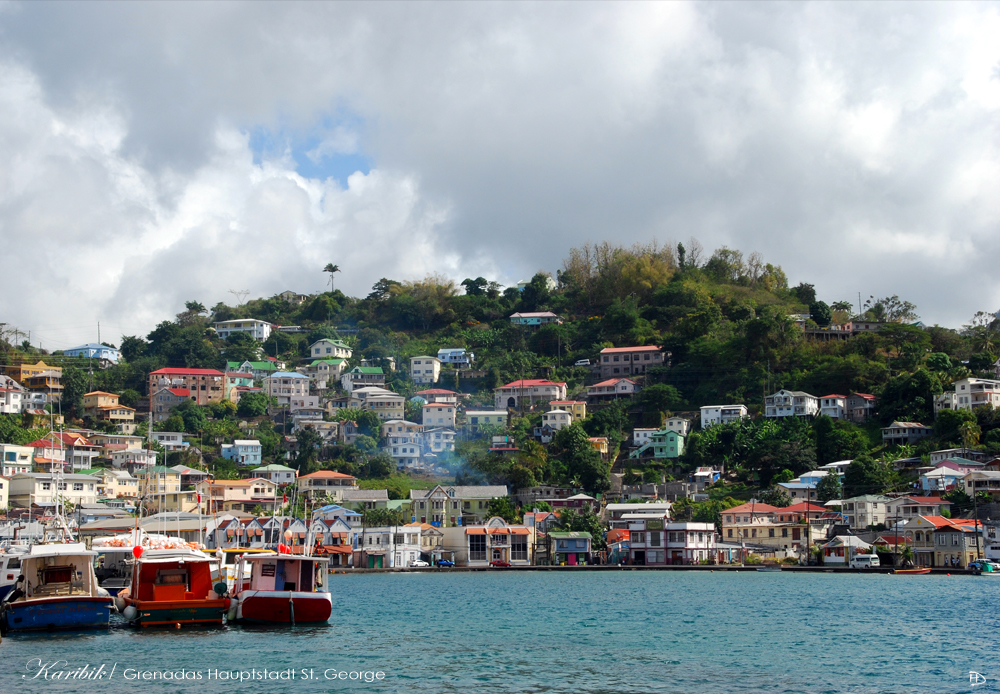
(854, 144)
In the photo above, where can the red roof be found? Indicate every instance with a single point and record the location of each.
(927, 499)
(180, 392)
(832, 396)
(866, 396)
(528, 382)
(612, 380)
(617, 535)
(435, 391)
(648, 348)
(328, 474)
(186, 372)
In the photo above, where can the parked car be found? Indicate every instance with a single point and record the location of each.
(581, 362)
(418, 562)
(497, 562)
(865, 561)
(445, 562)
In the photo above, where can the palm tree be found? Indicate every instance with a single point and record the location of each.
(907, 555)
(970, 432)
(331, 268)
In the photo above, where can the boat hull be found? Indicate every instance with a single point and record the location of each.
(173, 612)
(277, 607)
(912, 571)
(66, 612)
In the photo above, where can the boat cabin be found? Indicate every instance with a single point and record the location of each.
(282, 572)
(58, 570)
(173, 578)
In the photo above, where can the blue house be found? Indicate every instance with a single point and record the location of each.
(243, 452)
(95, 351)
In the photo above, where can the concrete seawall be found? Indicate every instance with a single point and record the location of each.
(614, 567)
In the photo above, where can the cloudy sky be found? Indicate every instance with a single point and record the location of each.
(154, 153)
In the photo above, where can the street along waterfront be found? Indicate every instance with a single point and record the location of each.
(575, 632)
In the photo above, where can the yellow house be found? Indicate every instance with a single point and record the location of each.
(576, 408)
(104, 407)
(238, 495)
(599, 444)
(161, 489)
(118, 484)
(22, 372)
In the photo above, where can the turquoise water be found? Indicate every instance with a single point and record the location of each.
(650, 631)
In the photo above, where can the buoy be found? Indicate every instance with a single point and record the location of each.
(947, 574)
(129, 612)
(177, 626)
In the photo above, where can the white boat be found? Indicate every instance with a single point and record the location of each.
(10, 569)
(283, 589)
(60, 591)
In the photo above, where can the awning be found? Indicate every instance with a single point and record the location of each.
(230, 532)
(499, 531)
(340, 535)
(338, 549)
(475, 531)
(520, 531)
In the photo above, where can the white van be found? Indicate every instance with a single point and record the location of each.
(865, 561)
(581, 362)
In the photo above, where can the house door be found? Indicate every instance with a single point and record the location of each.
(374, 561)
(497, 554)
(511, 402)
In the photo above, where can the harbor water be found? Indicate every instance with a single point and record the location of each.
(507, 631)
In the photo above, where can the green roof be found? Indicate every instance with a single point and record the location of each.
(160, 470)
(569, 534)
(367, 370)
(397, 504)
(331, 362)
(92, 471)
(258, 365)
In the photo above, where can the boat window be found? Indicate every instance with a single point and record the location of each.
(13, 563)
(57, 574)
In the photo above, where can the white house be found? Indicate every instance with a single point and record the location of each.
(330, 349)
(43, 488)
(285, 385)
(388, 546)
(4, 492)
(279, 474)
(403, 441)
(642, 435)
(474, 419)
(132, 458)
(612, 389)
(322, 371)
(721, 414)
(439, 440)
(791, 403)
(976, 392)
(557, 419)
(457, 356)
(11, 400)
(257, 329)
(425, 370)
(15, 459)
(170, 440)
(528, 392)
(833, 406)
(678, 424)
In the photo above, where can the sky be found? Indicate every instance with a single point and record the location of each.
(154, 153)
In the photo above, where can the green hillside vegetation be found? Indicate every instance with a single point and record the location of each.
(727, 319)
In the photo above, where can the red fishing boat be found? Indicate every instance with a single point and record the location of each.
(171, 587)
(283, 589)
(917, 570)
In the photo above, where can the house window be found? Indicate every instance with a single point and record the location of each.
(477, 548)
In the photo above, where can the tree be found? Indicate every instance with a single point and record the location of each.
(584, 521)
(503, 507)
(476, 287)
(776, 497)
(820, 313)
(865, 475)
(949, 424)
(309, 443)
(331, 268)
(241, 347)
(380, 517)
(660, 397)
(583, 464)
(252, 405)
(828, 488)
